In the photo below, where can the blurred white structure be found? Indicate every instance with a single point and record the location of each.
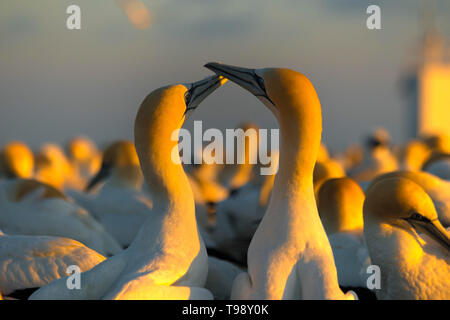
(428, 86)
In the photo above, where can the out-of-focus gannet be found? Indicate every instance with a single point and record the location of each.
(340, 204)
(289, 256)
(30, 262)
(119, 205)
(29, 207)
(378, 158)
(54, 168)
(413, 266)
(167, 259)
(85, 157)
(325, 170)
(16, 161)
(438, 165)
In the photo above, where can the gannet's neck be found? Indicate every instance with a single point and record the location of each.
(300, 135)
(392, 247)
(161, 166)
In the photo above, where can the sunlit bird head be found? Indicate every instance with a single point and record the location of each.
(274, 87)
(17, 160)
(119, 154)
(403, 204)
(81, 149)
(340, 205)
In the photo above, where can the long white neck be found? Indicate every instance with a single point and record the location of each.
(163, 172)
(300, 135)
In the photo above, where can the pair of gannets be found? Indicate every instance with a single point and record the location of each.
(29, 207)
(167, 259)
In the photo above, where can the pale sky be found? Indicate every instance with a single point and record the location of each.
(56, 83)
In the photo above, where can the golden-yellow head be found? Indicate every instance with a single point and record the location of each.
(82, 149)
(340, 205)
(18, 160)
(119, 156)
(401, 203)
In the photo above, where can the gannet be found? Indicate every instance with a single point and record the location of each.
(84, 156)
(30, 262)
(324, 170)
(436, 188)
(54, 168)
(167, 259)
(289, 256)
(30, 207)
(340, 204)
(120, 205)
(438, 165)
(415, 153)
(412, 266)
(17, 160)
(377, 160)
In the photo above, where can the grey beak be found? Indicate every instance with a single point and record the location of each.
(244, 77)
(433, 229)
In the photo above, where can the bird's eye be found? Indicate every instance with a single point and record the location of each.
(418, 216)
(187, 97)
(261, 83)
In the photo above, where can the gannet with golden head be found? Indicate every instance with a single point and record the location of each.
(167, 259)
(30, 207)
(84, 156)
(324, 170)
(289, 256)
(53, 168)
(30, 262)
(412, 265)
(438, 190)
(17, 161)
(340, 204)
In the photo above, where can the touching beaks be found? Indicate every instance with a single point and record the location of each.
(432, 228)
(198, 91)
(246, 78)
(103, 173)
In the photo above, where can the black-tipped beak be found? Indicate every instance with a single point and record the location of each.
(433, 229)
(104, 172)
(198, 91)
(246, 78)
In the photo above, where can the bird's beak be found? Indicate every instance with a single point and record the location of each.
(198, 91)
(246, 78)
(433, 229)
(104, 172)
